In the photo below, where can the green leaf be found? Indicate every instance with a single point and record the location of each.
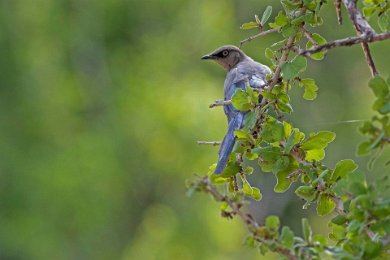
(382, 105)
(307, 193)
(267, 157)
(254, 96)
(306, 230)
(302, 18)
(367, 127)
(250, 25)
(364, 148)
(289, 30)
(246, 187)
(231, 169)
(284, 107)
(325, 205)
(338, 232)
(339, 220)
(384, 22)
(251, 156)
(371, 249)
(316, 155)
(273, 130)
(320, 239)
(250, 120)
(267, 13)
(283, 183)
(287, 237)
(241, 100)
(281, 164)
(290, 142)
(217, 179)
(272, 222)
(368, 11)
(318, 38)
(343, 168)
(379, 86)
(292, 68)
(267, 153)
(323, 176)
(318, 141)
(287, 129)
(310, 88)
(266, 166)
(256, 194)
(248, 170)
(269, 54)
(241, 134)
(280, 20)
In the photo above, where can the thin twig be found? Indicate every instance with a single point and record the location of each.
(251, 223)
(339, 205)
(337, 4)
(278, 69)
(346, 42)
(213, 143)
(282, 60)
(247, 218)
(258, 35)
(361, 27)
(220, 103)
(308, 36)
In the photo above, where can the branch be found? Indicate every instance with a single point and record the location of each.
(220, 103)
(258, 35)
(252, 225)
(308, 36)
(337, 4)
(213, 143)
(361, 27)
(283, 59)
(236, 207)
(346, 42)
(278, 69)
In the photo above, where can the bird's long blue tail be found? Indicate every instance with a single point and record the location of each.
(228, 142)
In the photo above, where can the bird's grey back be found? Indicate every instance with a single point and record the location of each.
(248, 70)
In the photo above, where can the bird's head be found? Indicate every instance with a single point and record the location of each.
(227, 56)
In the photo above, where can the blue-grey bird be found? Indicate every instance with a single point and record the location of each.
(241, 71)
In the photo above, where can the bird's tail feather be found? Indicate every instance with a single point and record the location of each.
(228, 142)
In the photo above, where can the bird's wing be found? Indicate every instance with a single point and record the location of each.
(252, 73)
(235, 121)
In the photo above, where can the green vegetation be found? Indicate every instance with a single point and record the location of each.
(360, 226)
(102, 103)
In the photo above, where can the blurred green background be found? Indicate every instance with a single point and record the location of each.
(101, 105)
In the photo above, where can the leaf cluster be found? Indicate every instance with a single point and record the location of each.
(361, 226)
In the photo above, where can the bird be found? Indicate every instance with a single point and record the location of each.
(241, 71)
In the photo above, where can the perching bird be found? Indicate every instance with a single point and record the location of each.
(241, 71)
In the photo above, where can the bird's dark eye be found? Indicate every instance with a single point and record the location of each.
(225, 53)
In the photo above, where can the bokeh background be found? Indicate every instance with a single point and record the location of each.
(101, 105)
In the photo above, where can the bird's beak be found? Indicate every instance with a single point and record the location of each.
(207, 57)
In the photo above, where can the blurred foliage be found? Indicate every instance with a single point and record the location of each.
(102, 103)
